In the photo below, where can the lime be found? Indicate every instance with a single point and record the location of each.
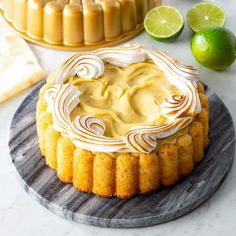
(164, 23)
(214, 47)
(205, 14)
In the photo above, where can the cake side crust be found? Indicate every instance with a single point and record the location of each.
(123, 175)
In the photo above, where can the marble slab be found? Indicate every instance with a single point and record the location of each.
(164, 205)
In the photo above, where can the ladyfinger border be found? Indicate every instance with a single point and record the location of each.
(125, 174)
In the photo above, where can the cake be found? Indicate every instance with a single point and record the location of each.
(76, 23)
(122, 121)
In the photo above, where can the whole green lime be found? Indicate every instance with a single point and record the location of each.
(214, 47)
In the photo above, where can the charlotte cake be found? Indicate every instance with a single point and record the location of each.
(122, 121)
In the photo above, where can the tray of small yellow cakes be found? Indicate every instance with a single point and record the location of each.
(122, 137)
(76, 24)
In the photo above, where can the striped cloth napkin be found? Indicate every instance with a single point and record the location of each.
(19, 68)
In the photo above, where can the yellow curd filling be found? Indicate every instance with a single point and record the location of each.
(125, 97)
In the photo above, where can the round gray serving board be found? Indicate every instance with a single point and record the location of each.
(164, 205)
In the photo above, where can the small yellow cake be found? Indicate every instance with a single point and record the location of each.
(122, 121)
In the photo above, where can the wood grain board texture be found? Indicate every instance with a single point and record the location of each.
(161, 206)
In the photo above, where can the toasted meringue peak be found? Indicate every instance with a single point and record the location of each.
(122, 56)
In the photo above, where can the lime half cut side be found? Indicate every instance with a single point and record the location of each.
(205, 14)
(164, 23)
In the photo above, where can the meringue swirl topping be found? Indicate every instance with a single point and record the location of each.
(122, 99)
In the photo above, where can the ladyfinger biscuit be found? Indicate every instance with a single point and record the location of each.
(126, 175)
(184, 145)
(168, 156)
(43, 120)
(52, 137)
(200, 87)
(65, 149)
(149, 172)
(103, 174)
(41, 107)
(204, 101)
(203, 118)
(83, 170)
(196, 131)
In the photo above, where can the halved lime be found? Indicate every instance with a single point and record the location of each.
(205, 14)
(164, 23)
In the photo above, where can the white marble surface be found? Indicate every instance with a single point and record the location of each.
(20, 215)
